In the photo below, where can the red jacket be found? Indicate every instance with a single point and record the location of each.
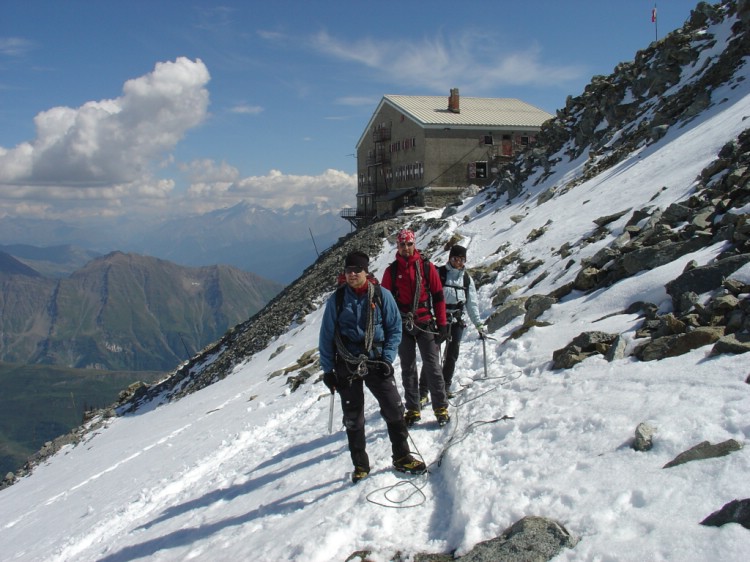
(405, 286)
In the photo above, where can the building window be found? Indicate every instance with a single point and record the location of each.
(477, 170)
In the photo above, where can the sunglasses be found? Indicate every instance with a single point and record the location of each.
(458, 258)
(354, 269)
(403, 244)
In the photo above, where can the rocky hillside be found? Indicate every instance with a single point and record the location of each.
(123, 312)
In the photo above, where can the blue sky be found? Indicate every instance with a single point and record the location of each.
(111, 108)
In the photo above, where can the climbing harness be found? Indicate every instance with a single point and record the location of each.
(357, 365)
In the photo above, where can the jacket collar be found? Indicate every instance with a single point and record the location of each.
(408, 261)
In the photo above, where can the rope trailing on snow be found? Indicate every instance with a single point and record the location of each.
(420, 483)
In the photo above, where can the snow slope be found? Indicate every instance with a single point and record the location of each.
(245, 469)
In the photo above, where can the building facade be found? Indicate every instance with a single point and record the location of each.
(417, 149)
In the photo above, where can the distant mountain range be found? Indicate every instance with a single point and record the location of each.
(119, 311)
(275, 244)
(54, 261)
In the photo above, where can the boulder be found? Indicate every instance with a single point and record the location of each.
(532, 539)
(679, 344)
(644, 437)
(506, 313)
(736, 511)
(705, 450)
(705, 278)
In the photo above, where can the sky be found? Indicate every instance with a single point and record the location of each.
(168, 108)
(247, 469)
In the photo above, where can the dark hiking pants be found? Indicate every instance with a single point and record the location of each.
(352, 396)
(450, 356)
(430, 354)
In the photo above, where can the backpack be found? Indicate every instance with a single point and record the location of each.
(443, 272)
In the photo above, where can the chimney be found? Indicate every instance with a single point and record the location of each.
(453, 104)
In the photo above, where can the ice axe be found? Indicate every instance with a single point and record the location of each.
(330, 414)
(484, 337)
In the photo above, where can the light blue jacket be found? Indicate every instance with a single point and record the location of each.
(352, 322)
(454, 292)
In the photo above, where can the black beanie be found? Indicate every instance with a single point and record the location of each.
(357, 259)
(459, 251)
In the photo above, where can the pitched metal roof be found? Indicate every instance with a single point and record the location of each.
(475, 112)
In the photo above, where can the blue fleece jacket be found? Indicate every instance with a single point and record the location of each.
(352, 324)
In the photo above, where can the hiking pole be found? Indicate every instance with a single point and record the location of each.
(484, 353)
(330, 414)
(484, 337)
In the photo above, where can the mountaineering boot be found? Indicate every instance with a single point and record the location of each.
(442, 417)
(409, 464)
(411, 417)
(359, 473)
(423, 400)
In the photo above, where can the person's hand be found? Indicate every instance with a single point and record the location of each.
(329, 379)
(482, 329)
(442, 334)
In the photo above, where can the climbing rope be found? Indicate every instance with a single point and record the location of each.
(358, 364)
(420, 483)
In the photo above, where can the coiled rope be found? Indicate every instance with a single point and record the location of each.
(409, 319)
(357, 364)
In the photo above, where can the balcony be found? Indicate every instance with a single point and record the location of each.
(381, 134)
(382, 157)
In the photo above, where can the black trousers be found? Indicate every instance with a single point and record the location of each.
(450, 357)
(385, 391)
(431, 370)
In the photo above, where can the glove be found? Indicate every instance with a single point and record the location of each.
(329, 379)
(442, 334)
(481, 329)
(386, 370)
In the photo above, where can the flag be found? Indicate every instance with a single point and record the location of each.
(653, 15)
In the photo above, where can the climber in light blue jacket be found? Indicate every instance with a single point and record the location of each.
(460, 295)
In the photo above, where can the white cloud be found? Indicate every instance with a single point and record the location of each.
(111, 144)
(218, 186)
(358, 101)
(472, 59)
(247, 109)
(14, 46)
(207, 170)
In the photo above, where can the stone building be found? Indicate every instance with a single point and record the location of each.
(424, 150)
